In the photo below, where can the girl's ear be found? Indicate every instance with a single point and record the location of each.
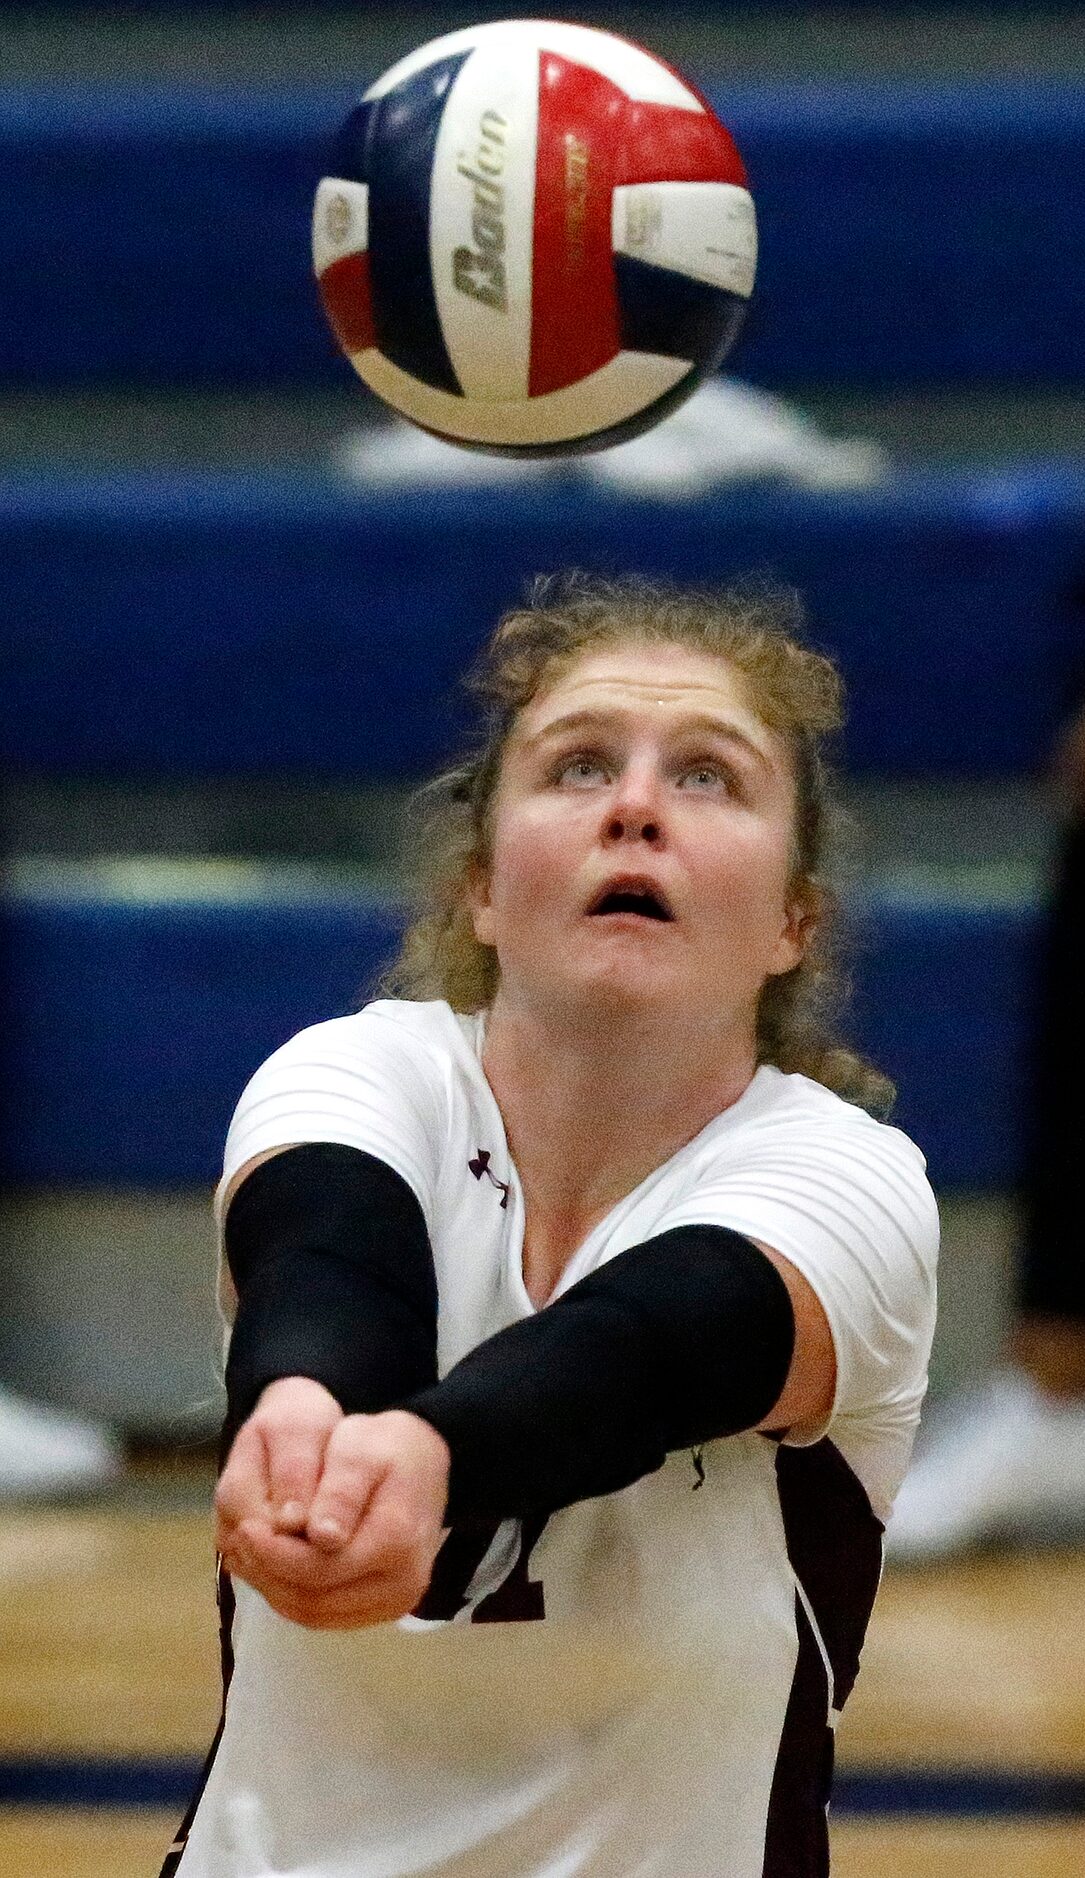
(798, 931)
(478, 897)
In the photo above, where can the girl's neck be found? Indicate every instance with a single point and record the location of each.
(590, 1111)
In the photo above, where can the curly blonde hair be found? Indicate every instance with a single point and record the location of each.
(759, 630)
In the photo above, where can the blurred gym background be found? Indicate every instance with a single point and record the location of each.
(236, 604)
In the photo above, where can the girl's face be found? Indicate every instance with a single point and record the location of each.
(642, 843)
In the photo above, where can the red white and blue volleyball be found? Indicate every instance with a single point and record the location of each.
(535, 238)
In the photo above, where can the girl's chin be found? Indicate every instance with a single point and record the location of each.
(631, 983)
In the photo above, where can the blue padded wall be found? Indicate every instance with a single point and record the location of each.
(944, 991)
(134, 1022)
(911, 233)
(899, 226)
(201, 625)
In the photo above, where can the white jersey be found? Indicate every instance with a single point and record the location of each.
(643, 1685)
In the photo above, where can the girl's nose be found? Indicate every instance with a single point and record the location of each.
(633, 827)
(634, 813)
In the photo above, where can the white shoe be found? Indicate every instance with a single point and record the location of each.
(1005, 1463)
(399, 455)
(45, 1453)
(730, 432)
(727, 432)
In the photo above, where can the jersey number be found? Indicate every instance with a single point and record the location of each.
(518, 1599)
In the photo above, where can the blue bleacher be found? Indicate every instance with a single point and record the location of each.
(911, 234)
(197, 624)
(945, 988)
(135, 1015)
(141, 998)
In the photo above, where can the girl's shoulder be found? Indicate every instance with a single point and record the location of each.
(786, 1122)
(419, 1033)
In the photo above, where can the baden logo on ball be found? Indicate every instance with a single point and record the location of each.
(480, 270)
(534, 238)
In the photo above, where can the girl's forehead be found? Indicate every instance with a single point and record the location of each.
(663, 677)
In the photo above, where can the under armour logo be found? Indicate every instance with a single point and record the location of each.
(481, 1165)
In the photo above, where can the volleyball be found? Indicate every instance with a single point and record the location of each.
(535, 238)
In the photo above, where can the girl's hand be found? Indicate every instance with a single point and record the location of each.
(373, 1520)
(277, 1459)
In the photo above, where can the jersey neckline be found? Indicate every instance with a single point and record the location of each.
(473, 1027)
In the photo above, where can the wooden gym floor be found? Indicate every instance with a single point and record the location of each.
(107, 1635)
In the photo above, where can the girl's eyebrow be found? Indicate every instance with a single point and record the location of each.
(701, 722)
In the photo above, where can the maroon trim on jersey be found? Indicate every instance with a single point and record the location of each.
(797, 1827)
(834, 1544)
(227, 1606)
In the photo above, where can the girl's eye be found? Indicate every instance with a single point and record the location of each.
(580, 770)
(705, 776)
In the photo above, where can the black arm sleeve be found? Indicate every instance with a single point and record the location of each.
(683, 1338)
(329, 1252)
